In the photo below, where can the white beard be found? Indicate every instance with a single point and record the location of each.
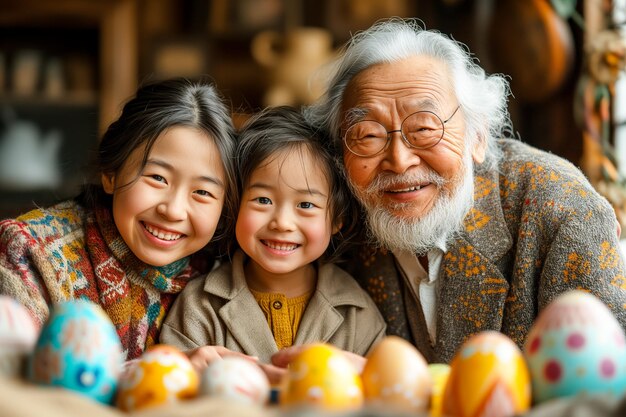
(437, 228)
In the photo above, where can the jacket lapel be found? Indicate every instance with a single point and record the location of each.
(252, 332)
(321, 319)
(473, 291)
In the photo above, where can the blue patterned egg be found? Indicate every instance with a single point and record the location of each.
(78, 349)
(576, 346)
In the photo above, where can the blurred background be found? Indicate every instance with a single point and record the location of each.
(66, 67)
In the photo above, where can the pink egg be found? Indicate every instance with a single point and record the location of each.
(18, 335)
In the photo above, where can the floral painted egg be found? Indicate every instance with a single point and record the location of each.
(488, 376)
(396, 376)
(235, 379)
(576, 345)
(18, 335)
(321, 376)
(78, 349)
(439, 372)
(162, 375)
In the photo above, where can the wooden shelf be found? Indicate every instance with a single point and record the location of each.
(116, 23)
(99, 34)
(67, 100)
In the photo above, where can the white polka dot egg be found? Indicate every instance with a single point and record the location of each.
(576, 345)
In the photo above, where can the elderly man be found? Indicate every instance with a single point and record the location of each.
(468, 231)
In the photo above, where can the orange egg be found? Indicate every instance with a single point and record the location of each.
(396, 375)
(488, 374)
(321, 376)
(162, 375)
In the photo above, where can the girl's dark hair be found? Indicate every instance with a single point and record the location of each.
(282, 128)
(155, 108)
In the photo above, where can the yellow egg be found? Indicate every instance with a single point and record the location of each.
(321, 376)
(396, 375)
(488, 374)
(439, 372)
(162, 375)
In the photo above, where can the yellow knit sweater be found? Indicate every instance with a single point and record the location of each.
(283, 314)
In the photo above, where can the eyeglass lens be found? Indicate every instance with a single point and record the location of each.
(419, 130)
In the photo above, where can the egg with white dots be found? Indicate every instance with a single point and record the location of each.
(78, 349)
(322, 377)
(576, 346)
(161, 376)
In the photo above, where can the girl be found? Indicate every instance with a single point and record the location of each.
(277, 292)
(166, 172)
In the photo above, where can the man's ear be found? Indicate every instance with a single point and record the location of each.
(108, 183)
(479, 149)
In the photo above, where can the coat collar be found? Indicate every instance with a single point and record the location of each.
(320, 320)
(485, 226)
(473, 290)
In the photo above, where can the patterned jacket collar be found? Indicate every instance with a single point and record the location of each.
(472, 283)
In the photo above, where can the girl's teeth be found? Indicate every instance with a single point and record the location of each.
(280, 246)
(162, 235)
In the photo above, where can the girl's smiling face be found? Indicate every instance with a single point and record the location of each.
(172, 208)
(284, 223)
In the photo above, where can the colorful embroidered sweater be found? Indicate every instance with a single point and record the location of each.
(67, 251)
(537, 229)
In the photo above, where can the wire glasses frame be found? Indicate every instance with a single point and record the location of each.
(420, 130)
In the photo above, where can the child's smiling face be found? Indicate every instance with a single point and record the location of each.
(173, 207)
(284, 223)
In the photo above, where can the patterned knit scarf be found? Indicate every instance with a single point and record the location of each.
(135, 295)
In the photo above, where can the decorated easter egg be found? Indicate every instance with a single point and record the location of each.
(235, 379)
(78, 349)
(396, 376)
(18, 335)
(162, 375)
(488, 376)
(321, 376)
(439, 373)
(576, 345)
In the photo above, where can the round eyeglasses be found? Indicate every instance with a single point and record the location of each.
(420, 130)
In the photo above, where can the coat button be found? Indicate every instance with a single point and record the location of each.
(277, 305)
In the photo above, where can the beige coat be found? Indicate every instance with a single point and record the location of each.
(221, 310)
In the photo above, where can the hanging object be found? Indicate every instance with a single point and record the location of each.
(530, 42)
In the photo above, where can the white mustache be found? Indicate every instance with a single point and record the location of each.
(384, 181)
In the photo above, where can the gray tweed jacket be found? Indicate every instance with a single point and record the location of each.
(537, 229)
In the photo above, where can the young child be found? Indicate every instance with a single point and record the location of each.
(166, 171)
(277, 292)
